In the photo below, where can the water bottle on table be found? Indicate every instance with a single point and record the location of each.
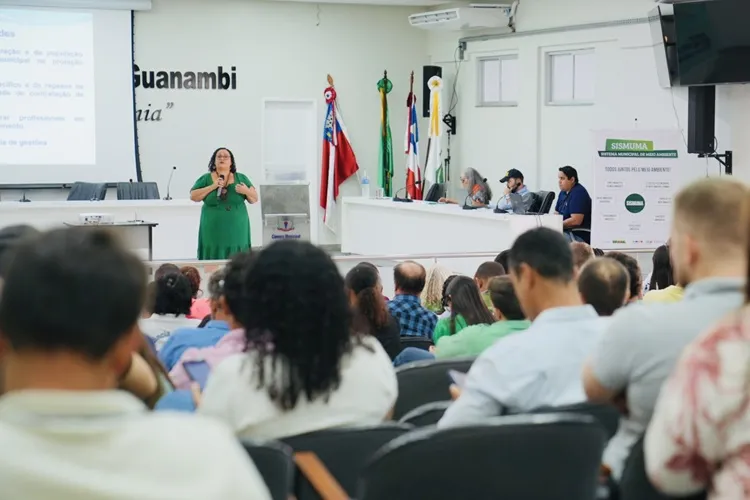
(365, 186)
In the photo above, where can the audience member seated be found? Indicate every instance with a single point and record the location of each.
(371, 316)
(473, 340)
(582, 253)
(634, 274)
(66, 431)
(201, 336)
(574, 204)
(10, 237)
(171, 308)
(446, 308)
(305, 369)
(698, 438)
(165, 269)
(485, 272)
(200, 307)
(234, 341)
(502, 259)
(146, 378)
(415, 320)
(643, 342)
(432, 294)
(542, 366)
(466, 306)
(662, 287)
(604, 283)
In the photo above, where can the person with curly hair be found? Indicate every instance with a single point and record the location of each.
(201, 306)
(304, 368)
(172, 301)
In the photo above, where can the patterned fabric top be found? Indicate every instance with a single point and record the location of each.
(415, 320)
(479, 195)
(700, 432)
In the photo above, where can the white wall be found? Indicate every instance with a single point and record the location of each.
(537, 138)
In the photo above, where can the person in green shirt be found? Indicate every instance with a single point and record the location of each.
(466, 306)
(485, 272)
(473, 340)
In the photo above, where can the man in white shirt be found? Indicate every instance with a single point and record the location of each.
(68, 316)
(541, 366)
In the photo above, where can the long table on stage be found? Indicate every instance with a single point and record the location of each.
(384, 227)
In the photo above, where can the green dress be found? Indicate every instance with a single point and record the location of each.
(225, 226)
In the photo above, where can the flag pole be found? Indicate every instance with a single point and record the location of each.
(384, 131)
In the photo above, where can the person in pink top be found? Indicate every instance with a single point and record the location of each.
(201, 307)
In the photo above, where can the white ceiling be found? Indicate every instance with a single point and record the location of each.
(401, 3)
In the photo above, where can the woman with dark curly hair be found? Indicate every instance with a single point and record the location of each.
(171, 307)
(225, 225)
(304, 369)
(201, 306)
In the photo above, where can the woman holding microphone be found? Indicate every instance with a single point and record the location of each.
(225, 226)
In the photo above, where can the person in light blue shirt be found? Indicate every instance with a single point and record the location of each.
(541, 367)
(513, 181)
(184, 338)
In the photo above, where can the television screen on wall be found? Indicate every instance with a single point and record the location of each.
(713, 41)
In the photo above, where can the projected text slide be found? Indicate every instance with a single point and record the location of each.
(47, 101)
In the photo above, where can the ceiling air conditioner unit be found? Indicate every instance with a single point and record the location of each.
(475, 16)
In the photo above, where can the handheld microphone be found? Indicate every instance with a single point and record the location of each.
(169, 183)
(396, 197)
(222, 190)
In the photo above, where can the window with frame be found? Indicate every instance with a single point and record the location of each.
(571, 78)
(498, 81)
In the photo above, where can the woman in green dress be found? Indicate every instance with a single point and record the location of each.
(225, 226)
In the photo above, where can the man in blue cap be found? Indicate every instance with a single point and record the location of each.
(514, 184)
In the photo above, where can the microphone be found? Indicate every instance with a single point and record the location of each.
(169, 183)
(223, 190)
(405, 200)
(466, 204)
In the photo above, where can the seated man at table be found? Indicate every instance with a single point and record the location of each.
(415, 320)
(574, 204)
(513, 181)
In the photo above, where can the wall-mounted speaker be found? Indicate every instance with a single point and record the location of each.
(427, 73)
(701, 119)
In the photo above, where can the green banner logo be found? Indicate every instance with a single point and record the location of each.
(635, 203)
(634, 148)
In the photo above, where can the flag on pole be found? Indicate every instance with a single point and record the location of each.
(413, 174)
(338, 162)
(433, 166)
(385, 158)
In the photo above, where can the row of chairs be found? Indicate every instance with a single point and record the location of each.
(92, 191)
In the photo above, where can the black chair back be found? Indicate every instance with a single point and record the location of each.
(607, 415)
(344, 452)
(634, 483)
(540, 457)
(275, 463)
(426, 415)
(137, 191)
(87, 191)
(425, 382)
(419, 342)
(542, 204)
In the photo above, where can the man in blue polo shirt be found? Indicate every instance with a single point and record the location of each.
(574, 204)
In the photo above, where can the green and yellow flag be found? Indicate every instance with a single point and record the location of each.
(385, 158)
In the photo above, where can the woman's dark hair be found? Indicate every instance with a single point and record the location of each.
(297, 316)
(235, 274)
(661, 275)
(10, 237)
(194, 277)
(150, 298)
(212, 161)
(204, 321)
(504, 298)
(362, 280)
(173, 295)
(502, 259)
(446, 284)
(466, 300)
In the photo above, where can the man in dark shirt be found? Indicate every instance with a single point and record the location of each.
(574, 204)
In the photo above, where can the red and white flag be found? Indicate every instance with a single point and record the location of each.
(338, 163)
(413, 174)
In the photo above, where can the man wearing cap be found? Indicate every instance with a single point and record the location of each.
(514, 184)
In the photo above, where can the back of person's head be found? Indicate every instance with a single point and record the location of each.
(233, 294)
(297, 313)
(194, 277)
(634, 273)
(409, 277)
(487, 270)
(466, 300)
(502, 259)
(432, 294)
(661, 273)
(582, 253)
(709, 230)
(173, 295)
(504, 298)
(446, 284)
(76, 291)
(216, 293)
(605, 284)
(10, 237)
(363, 284)
(165, 269)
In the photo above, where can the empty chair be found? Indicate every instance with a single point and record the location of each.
(343, 453)
(275, 463)
(426, 382)
(429, 414)
(137, 191)
(87, 191)
(634, 483)
(540, 457)
(607, 415)
(543, 201)
(419, 342)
